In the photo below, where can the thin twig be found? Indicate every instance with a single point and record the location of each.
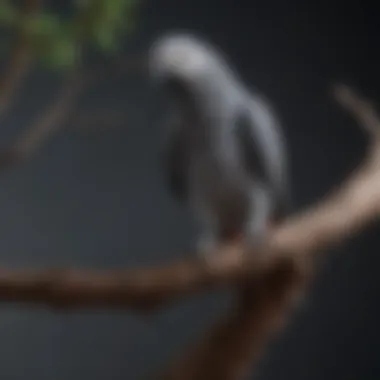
(50, 121)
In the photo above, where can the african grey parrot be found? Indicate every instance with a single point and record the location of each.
(225, 153)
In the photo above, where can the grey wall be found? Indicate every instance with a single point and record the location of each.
(98, 201)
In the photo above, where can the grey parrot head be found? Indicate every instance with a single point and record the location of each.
(179, 55)
(185, 61)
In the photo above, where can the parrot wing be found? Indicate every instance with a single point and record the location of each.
(263, 152)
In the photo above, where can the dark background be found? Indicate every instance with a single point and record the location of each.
(98, 200)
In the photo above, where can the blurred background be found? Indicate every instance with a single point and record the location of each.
(91, 194)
